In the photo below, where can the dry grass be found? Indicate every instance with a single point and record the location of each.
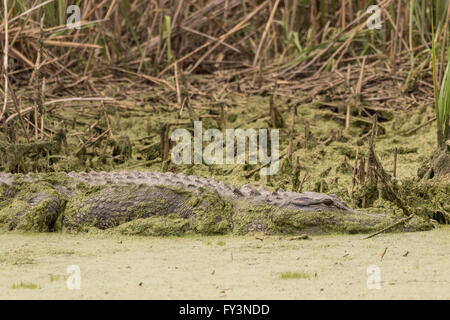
(292, 48)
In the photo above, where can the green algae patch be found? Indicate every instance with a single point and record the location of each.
(428, 199)
(56, 178)
(211, 214)
(274, 220)
(294, 275)
(368, 194)
(42, 217)
(105, 207)
(108, 206)
(425, 198)
(205, 214)
(25, 285)
(34, 207)
(221, 217)
(10, 214)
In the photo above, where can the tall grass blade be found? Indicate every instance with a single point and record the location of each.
(444, 104)
(442, 98)
(168, 30)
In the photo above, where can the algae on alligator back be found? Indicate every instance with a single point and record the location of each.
(110, 206)
(53, 203)
(36, 207)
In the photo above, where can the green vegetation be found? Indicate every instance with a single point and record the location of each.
(57, 277)
(18, 214)
(109, 95)
(294, 275)
(25, 285)
(442, 99)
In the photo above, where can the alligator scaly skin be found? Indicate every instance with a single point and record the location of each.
(79, 200)
(310, 201)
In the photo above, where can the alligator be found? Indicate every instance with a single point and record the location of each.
(155, 203)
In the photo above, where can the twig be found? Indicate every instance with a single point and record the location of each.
(355, 168)
(390, 227)
(5, 56)
(266, 29)
(361, 77)
(412, 131)
(16, 105)
(305, 177)
(395, 162)
(177, 85)
(291, 134)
